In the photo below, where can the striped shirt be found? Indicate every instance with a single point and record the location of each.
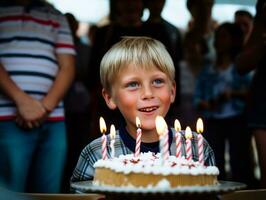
(29, 43)
(125, 144)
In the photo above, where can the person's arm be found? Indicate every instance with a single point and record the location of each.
(253, 51)
(62, 81)
(29, 109)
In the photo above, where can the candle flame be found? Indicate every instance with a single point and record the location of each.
(102, 125)
(177, 125)
(112, 132)
(199, 125)
(138, 124)
(188, 133)
(161, 125)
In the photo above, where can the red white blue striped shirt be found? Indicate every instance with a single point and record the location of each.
(29, 43)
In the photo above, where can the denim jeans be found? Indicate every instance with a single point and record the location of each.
(32, 160)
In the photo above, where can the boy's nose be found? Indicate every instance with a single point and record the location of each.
(147, 92)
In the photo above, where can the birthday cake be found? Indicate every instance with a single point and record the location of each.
(150, 170)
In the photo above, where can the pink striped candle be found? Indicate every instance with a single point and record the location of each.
(162, 131)
(178, 138)
(138, 139)
(104, 138)
(200, 141)
(188, 135)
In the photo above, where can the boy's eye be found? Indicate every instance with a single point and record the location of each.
(132, 85)
(158, 82)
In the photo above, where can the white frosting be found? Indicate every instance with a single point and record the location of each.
(163, 184)
(150, 163)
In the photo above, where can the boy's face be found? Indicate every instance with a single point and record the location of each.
(142, 93)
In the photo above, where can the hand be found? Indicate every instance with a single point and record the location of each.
(26, 125)
(31, 112)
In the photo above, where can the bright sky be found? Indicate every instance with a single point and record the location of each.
(175, 11)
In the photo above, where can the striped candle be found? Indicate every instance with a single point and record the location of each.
(138, 139)
(200, 141)
(188, 135)
(178, 138)
(104, 138)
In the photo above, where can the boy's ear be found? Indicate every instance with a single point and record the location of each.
(173, 92)
(108, 99)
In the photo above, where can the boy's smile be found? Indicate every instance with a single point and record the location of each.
(142, 92)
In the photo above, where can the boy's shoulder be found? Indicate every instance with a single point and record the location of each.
(94, 145)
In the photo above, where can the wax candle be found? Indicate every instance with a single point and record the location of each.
(112, 142)
(200, 140)
(188, 135)
(162, 131)
(138, 138)
(178, 138)
(104, 138)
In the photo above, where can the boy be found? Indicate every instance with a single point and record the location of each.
(137, 75)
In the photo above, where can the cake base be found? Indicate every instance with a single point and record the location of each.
(104, 176)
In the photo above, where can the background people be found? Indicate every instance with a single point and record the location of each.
(220, 96)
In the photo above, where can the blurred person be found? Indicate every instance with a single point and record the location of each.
(245, 20)
(253, 58)
(163, 30)
(202, 24)
(91, 33)
(191, 64)
(36, 70)
(220, 97)
(198, 51)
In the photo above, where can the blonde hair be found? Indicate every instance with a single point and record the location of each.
(141, 52)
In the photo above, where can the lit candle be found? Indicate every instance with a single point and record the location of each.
(104, 138)
(178, 138)
(200, 140)
(138, 139)
(188, 135)
(162, 131)
(112, 142)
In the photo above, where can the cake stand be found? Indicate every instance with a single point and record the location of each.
(184, 192)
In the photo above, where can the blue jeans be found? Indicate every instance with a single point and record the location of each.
(32, 160)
